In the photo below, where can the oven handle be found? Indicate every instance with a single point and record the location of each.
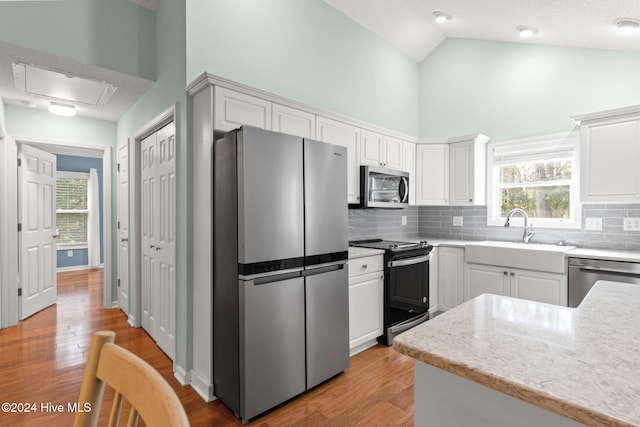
(409, 261)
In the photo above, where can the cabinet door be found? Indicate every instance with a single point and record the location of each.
(432, 172)
(339, 133)
(461, 183)
(539, 286)
(392, 152)
(294, 122)
(365, 308)
(409, 165)
(610, 154)
(450, 277)
(485, 279)
(234, 109)
(371, 148)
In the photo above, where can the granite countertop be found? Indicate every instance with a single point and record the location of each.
(582, 363)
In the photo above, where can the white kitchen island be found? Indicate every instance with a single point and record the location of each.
(501, 361)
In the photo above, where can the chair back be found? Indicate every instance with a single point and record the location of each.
(133, 380)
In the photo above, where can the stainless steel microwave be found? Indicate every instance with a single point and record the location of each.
(383, 188)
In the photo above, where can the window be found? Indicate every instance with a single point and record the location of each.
(538, 175)
(72, 211)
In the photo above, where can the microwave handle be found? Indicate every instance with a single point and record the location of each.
(404, 183)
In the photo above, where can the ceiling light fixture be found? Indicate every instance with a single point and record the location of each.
(62, 109)
(441, 17)
(526, 32)
(627, 24)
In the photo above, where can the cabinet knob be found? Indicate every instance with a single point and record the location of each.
(471, 200)
(504, 273)
(513, 274)
(364, 266)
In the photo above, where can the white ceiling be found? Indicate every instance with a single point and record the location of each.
(409, 24)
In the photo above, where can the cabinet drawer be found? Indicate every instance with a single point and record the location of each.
(364, 265)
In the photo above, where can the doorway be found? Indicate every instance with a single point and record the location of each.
(11, 301)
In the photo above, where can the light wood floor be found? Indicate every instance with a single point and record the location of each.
(42, 361)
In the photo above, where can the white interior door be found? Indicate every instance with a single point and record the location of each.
(166, 242)
(148, 190)
(37, 214)
(123, 228)
(158, 274)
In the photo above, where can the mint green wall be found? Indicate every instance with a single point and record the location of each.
(307, 51)
(2, 120)
(41, 125)
(169, 90)
(513, 90)
(113, 34)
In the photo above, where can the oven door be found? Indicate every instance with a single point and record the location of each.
(409, 283)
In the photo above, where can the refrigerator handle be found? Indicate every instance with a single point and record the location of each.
(262, 280)
(324, 269)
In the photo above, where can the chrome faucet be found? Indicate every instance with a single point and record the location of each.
(528, 228)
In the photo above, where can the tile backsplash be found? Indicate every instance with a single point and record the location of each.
(437, 222)
(383, 223)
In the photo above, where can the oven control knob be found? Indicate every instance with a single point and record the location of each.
(393, 246)
(423, 243)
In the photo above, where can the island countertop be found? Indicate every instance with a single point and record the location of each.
(581, 363)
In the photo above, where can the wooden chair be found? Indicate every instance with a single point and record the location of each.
(150, 396)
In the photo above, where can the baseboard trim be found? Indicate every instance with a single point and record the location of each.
(202, 387)
(183, 377)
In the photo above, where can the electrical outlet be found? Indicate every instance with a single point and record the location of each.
(593, 224)
(69, 254)
(631, 224)
(457, 221)
(403, 219)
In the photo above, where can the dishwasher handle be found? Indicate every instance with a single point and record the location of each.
(605, 266)
(611, 272)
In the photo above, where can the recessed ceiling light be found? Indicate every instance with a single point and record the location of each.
(441, 17)
(60, 109)
(525, 31)
(627, 24)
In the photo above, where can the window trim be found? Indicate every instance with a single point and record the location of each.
(72, 175)
(559, 142)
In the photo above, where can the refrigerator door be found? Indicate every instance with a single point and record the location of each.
(325, 192)
(270, 201)
(272, 344)
(327, 326)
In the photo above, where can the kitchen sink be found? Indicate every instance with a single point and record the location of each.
(529, 256)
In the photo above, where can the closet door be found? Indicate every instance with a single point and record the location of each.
(166, 242)
(158, 183)
(149, 238)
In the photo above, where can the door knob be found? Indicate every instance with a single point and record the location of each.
(124, 240)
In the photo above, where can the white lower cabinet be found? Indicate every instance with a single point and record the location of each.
(450, 277)
(366, 286)
(539, 286)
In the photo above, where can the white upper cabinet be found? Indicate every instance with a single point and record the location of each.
(370, 148)
(381, 150)
(409, 157)
(234, 109)
(293, 121)
(432, 174)
(467, 162)
(610, 155)
(335, 132)
(452, 173)
(392, 153)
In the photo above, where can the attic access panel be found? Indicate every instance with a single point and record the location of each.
(52, 84)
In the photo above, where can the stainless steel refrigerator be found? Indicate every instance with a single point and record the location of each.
(281, 302)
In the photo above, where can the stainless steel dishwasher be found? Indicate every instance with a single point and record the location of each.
(584, 273)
